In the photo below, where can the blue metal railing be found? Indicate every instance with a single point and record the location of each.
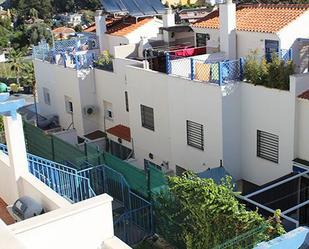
(219, 73)
(133, 215)
(62, 179)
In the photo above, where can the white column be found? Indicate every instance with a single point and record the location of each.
(227, 12)
(100, 23)
(14, 134)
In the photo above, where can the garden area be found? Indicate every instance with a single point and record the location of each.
(272, 72)
(195, 213)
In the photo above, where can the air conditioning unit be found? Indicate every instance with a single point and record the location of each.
(90, 110)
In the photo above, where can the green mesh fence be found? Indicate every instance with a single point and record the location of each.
(48, 146)
(38, 143)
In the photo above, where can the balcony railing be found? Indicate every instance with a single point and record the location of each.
(133, 215)
(219, 73)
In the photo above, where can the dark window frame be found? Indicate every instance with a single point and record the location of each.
(147, 117)
(267, 146)
(201, 39)
(126, 99)
(195, 135)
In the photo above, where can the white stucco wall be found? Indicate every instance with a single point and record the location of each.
(86, 224)
(246, 41)
(302, 147)
(111, 87)
(272, 111)
(30, 186)
(173, 104)
(231, 129)
(296, 29)
(60, 82)
(8, 186)
(148, 30)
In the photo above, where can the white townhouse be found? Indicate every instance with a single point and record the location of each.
(185, 121)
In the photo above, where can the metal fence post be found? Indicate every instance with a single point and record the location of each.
(168, 63)
(241, 68)
(220, 73)
(76, 62)
(290, 54)
(192, 68)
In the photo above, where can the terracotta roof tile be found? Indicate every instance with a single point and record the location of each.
(121, 131)
(120, 27)
(304, 95)
(4, 214)
(269, 18)
(65, 30)
(126, 26)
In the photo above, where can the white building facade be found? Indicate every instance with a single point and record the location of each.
(183, 124)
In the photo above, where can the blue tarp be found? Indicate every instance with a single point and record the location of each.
(215, 173)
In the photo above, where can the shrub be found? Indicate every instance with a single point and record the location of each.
(273, 74)
(197, 213)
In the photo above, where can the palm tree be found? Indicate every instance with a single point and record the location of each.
(16, 58)
(29, 81)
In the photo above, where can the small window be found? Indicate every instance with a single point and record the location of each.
(108, 110)
(195, 135)
(126, 100)
(201, 40)
(46, 96)
(68, 104)
(268, 146)
(109, 114)
(147, 117)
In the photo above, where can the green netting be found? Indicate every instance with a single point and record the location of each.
(60, 152)
(38, 143)
(135, 177)
(53, 148)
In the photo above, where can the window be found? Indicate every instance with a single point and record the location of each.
(126, 100)
(68, 104)
(46, 96)
(195, 135)
(268, 146)
(147, 117)
(201, 40)
(108, 110)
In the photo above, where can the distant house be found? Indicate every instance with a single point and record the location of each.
(63, 32)
(71, 19)
(265, 27)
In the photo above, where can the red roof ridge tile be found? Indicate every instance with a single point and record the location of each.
(304, 95)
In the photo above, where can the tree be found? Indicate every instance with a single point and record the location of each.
(16, 58)
(197, 213)
(37, 32)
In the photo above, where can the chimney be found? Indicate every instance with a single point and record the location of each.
(227, 12)
(168, 18)
(168, 21)
(100, 23)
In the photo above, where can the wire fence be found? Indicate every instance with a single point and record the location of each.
(77, 53)
(220, 72)
(201, 70)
